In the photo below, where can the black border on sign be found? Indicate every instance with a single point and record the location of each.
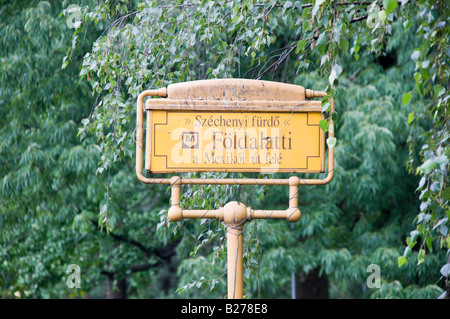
(209, 169)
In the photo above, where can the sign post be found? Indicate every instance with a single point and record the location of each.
(233, 125)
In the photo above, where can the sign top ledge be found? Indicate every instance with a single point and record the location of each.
(239, 90)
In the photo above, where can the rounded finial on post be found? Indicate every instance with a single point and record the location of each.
(175, 213)
(234, 213)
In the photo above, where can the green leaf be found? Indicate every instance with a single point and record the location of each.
(335, 72)
(287, 4)
(324, 125)
(438, 90)
(331, 142)
(407, 24)
(325, 106)
(414, 235)
(85, 121)
(421, 256)
(446, 193)
(427, 166)
(408, 241)
(415, 55)
(343, 43)
(445, 270)
(382, 16)
(421, 183)
(435, 187)
(316, 7)
(410, 118)
(406, 98)
(430, 244)
(389, 5)
(401, 261)
(83, 71)
(407, 252)
(301, 45)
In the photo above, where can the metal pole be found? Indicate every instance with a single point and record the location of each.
(235, 264)
(293, 288)
(234, 216)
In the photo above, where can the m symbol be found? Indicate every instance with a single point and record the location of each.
(189, 139)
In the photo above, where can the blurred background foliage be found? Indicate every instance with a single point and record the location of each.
(70, 75)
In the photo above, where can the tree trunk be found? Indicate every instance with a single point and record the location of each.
(118, 290)
(312, 286)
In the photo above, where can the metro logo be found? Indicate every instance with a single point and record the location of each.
(190, 139)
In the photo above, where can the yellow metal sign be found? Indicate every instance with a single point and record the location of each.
(188, 141)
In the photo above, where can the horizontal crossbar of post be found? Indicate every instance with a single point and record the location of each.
(251, 214)
(176, 213)
(235, 181)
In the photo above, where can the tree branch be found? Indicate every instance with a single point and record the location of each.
(143, 267)
(309, 5)
(291, 47)
(16, 240)
(164, 253)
